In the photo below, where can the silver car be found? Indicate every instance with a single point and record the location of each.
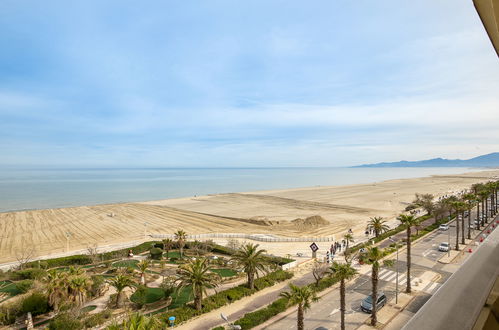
(367, 303)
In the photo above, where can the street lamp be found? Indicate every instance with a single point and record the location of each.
(68, 235)
(397, 270)
(145, 227)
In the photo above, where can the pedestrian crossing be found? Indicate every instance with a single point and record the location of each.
(391, 276)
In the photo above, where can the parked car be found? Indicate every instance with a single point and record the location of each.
(444, 247)
(367, 303)
(444, 226)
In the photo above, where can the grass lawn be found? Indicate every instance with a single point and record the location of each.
(181, 298)
(153, 295)
(88, 308)
(9, 287)
(224, 272)
(126, 263)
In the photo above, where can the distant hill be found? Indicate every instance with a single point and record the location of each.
(489, 160)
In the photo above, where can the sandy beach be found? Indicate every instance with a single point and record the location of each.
(342, 207)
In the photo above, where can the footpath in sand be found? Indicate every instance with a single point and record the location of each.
(52, 231)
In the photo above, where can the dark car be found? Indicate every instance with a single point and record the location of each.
(367, 303)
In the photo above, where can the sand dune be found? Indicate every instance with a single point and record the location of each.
(343, 207)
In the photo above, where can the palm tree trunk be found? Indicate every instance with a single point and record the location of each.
(118, 299)
(486, 209)
(300, 323)
(483, 215)
(478, 215)
(408, 285)
(251, 282)
(462, 228)
(469, 223)
(457, 233)
(374, 278)
(342, 303)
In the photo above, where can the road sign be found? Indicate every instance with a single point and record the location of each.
(314, 247)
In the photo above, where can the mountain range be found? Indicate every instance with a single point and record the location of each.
(488, 160)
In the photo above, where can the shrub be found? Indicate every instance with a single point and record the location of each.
(97, 319)
(64, 261)
(24, 285)
(37, 303)
(29, 274)
(65, 321)
(140, 296)
(255, 318)
(156, 253)
(97, 284)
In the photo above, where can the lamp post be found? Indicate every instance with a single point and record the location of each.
(397, 270)
(145, 227)
(68, 235)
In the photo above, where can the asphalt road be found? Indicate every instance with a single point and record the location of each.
(425, 256)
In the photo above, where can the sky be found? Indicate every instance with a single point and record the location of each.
(244, 83)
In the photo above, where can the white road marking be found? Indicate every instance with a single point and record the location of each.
(431, 288)
(391, 277)
(336, 310)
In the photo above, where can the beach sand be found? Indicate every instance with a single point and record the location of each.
(343, 207)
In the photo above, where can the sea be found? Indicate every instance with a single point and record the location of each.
(27, 189)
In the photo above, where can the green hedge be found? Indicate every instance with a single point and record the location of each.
(226, 297)
(28, 274)
(64, 261)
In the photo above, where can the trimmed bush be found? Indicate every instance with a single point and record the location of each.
(24, 285)
(37, 303)
(156, 253)
(64, 261)
(28, 274)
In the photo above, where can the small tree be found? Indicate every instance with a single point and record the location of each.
(167, 246)
(197, 274)
(301, 296)
(319, 271)
(120, 282)
(348, 238)
(181, 237)
(143, 265)
(378, 225)
(251, 260)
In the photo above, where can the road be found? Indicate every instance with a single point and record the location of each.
(425, 268)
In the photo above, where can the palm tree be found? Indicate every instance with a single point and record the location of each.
(181, 237)
(408, 221)
(373, 256)
(348, 238)
(167, 246)
(143, 265)
(483, 195)
(342, 272)
(57, 288)
(76, 271)
(378, 225)
(470, 202)
(79, 286)
(120, 282)
(197, 274)
(301, 296)
(251, 260)
(457, 205)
